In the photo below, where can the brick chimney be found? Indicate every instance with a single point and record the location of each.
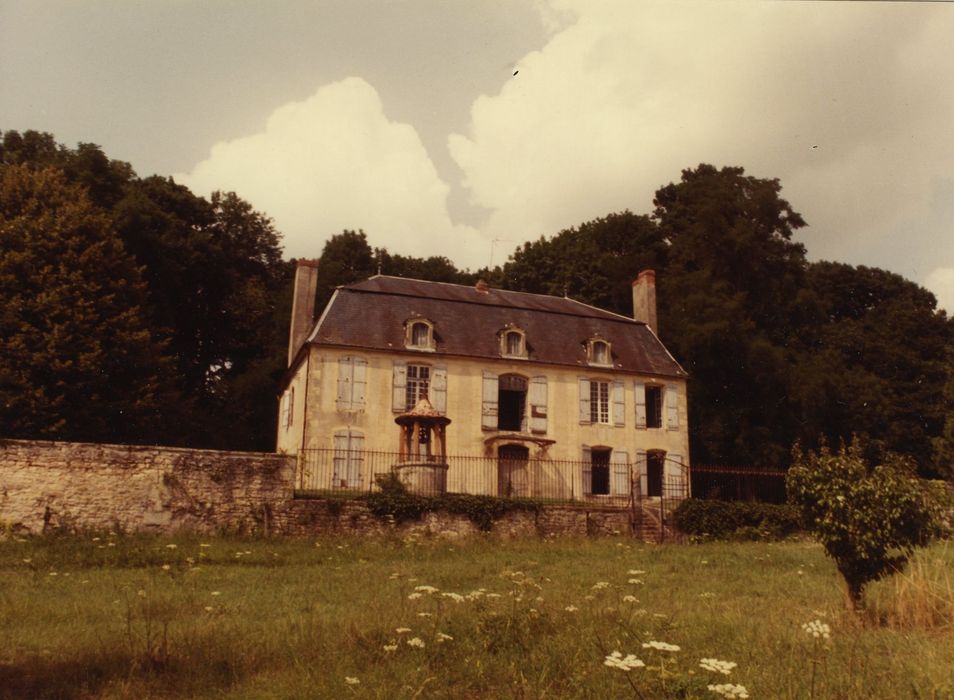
(644, 299)
(303, 306)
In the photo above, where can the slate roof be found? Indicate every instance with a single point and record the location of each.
(372, 315)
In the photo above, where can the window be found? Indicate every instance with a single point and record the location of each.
(600, 472)
(598, 353)
(654, 406)
(599, 402)
(419, 335)
(418, 380)
(352, 382)
(288, 407)
(653, 402)
(513, 343)
(505, 400)
(348, 459)
(606, 472)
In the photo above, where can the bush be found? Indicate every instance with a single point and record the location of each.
(870, 520)
(706, 519)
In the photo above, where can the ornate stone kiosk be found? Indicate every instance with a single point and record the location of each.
(422, 462)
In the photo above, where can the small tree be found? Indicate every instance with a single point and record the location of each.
(869, 520)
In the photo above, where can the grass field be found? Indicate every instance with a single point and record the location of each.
(114, 616)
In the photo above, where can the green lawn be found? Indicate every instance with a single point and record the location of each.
(216, 617)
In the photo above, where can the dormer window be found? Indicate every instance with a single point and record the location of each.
(513, 343)
(420, 335)
(599, 353)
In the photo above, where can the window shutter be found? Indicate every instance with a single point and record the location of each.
(587, 469)
(438, 389)
(345, 378)
(359, 384)
(399, 388)
(538, 405)
(642, 476)
(585, 416)
(640, 404)
(677, 475)
(620, 463)
(340, 459)
(672, 407)
(488, 407)
(355, 460)
(619, 417)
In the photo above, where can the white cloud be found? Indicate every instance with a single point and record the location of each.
(941, 283)
(846, 103)
(335, 161)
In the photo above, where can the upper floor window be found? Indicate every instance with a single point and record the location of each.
(420, 335)
(418, 380)
(656, 403)
(599, 353)
(599, 402)
(288, 407)
(513, 343)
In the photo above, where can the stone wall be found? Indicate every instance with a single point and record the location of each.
(46, 486)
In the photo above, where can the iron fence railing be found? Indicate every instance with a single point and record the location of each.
(738, 484)
(342, 471)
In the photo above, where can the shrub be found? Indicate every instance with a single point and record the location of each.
(869, 520)
(709, 519)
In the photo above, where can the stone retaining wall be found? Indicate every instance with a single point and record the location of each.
(47, 486)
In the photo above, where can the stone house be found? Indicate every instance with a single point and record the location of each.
(480, 390)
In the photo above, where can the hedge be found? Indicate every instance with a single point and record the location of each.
(710, 519)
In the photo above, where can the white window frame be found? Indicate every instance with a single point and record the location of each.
(413, 391)
(409, 343)
(591, 351)
(600, 404)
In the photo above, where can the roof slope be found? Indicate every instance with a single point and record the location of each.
(372, 314)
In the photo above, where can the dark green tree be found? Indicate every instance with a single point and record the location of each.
(346, 257)
(78, 360)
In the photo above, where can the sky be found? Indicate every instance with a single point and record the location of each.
(464, 129)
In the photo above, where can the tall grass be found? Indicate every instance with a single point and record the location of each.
(113, 617)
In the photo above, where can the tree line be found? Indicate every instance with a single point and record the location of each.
(135, 310)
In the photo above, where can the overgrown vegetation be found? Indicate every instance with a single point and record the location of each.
(393, 501)
(870, 520)
(102, 616)
(703, 519)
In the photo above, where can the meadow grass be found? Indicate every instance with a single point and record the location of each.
(214, 617)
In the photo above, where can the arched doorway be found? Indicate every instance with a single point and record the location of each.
(513, 476)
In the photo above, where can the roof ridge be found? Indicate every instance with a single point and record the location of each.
(615, 316)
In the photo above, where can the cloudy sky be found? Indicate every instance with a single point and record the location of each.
(465, 128)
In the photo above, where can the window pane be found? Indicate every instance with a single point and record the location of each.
(599, 402)
(600, 353)
(514, 344)
(418, 380)
(420, 335)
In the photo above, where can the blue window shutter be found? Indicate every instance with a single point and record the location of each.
(620, 462)
(399, 388)
(488, 406)
(672, 407)
(587, 469)
(438, 389)
(640, 405)
(619, 406)
(585, 415)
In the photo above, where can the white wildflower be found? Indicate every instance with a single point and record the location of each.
(630, 599)
(171, 546)
(600, 585)
(388, 648)
(441, 637)
(351, 680)
(414, 596)
(216, 593)
(636, 581)
(571, 608)
(425, 614)
(623, 663)
(636, 572)
(723, 667)
(166, 567)
(728, 690)
(661, 646)
(416, 642)
(817, 629)
(426, 589)
(402, 630)
(456, 597)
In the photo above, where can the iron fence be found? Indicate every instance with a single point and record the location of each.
(738, 484)
(352, 472)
